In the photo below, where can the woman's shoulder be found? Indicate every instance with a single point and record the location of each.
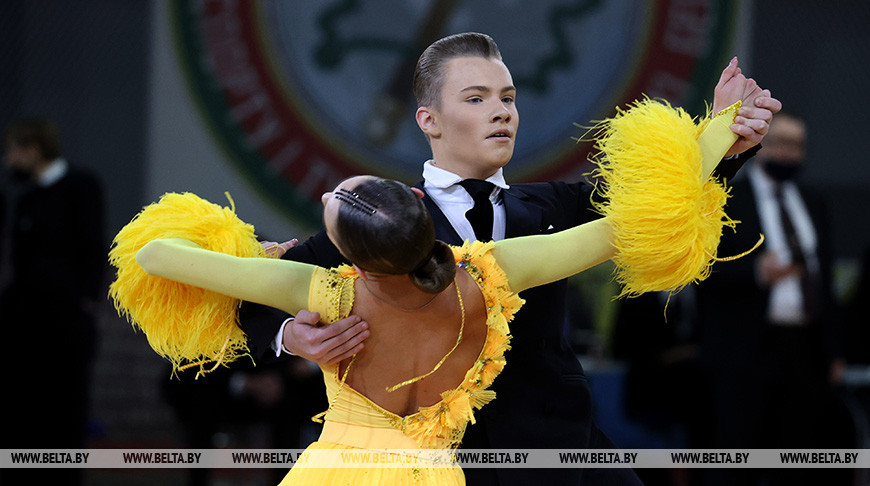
(502, 303)
(332, 292)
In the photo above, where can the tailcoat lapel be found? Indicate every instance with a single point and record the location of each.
(444, 231)
(522, 217)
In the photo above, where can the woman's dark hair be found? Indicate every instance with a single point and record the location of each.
(429, 73)
(382, 226)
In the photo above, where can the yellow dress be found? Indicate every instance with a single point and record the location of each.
(355, 422)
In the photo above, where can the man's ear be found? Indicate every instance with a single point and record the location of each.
(418, 192)
(427, 121)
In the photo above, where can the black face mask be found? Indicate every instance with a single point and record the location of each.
(781, 171)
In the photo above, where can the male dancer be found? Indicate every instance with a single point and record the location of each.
(467, 111)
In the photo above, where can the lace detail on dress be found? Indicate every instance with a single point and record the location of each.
(336, 294)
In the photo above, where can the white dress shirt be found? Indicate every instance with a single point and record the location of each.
(53, 173)
(786, 299)
(454, 201)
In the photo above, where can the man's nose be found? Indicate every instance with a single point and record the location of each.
(501, 114)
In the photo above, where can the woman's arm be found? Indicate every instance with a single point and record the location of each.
(540, 259)
(277, 283)
(530, 261)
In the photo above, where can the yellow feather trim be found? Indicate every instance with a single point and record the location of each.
(443, 424)
(666, 221)
(183, 323)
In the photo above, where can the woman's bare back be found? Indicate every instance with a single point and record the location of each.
(406, 344)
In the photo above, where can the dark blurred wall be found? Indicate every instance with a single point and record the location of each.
(85, 65)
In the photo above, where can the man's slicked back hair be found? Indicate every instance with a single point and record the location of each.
(429, 74)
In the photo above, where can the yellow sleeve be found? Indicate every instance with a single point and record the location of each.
(536, 260)
(530, 261)
(716, 139)
(277, 283)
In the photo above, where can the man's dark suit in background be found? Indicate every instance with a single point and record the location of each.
(770, 336)
(58, 255)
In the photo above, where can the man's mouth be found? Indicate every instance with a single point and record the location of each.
(500, 135)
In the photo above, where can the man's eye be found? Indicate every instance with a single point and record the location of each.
(507, 99)
(475, 99)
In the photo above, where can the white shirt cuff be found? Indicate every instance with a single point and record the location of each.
(278, 343)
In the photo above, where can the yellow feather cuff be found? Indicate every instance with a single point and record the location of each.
(183, 323)
(666, 220)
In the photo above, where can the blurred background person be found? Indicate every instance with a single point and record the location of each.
(771, 339)
(57, 254)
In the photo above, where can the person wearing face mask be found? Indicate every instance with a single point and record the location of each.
(56, 248)
(775, 347)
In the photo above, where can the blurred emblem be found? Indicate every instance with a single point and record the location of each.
(305, 94)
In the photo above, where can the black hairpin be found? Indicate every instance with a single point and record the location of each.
(355, 201)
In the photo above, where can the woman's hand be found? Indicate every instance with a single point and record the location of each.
(732, 86)
(756, 111)
(277, 250)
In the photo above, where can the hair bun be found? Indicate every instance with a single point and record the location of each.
(436, 273)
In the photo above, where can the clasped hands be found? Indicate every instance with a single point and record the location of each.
(756, 111)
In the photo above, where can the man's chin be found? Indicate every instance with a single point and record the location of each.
(501, 160)
(490, 168)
